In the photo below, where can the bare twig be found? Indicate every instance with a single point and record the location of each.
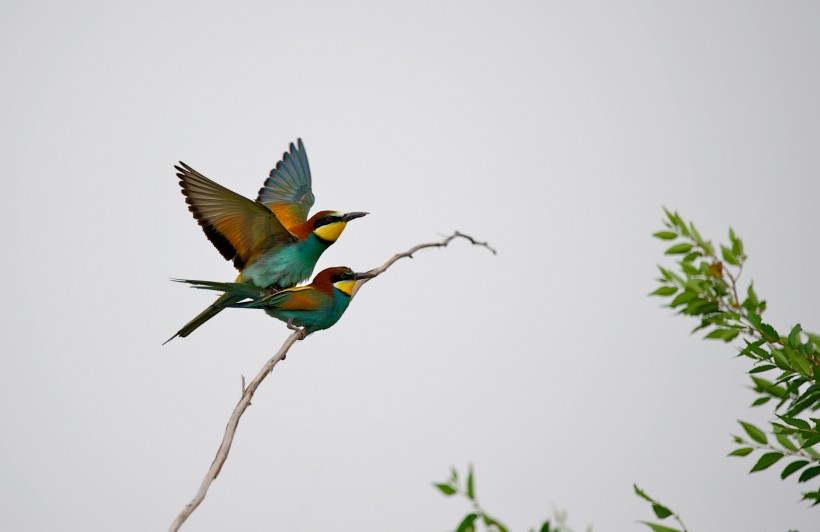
(250, 389)
(409, 253)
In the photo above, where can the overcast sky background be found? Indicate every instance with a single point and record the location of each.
(555, 130)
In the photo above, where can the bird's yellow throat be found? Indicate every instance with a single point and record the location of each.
(346, 286)
(330, 232)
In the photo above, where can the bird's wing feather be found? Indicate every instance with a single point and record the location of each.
(288, 190)
(297, 298)
(237, 226)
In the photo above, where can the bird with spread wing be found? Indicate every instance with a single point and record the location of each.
(271, 241)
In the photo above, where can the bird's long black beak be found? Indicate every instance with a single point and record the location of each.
(360, 276)
(353, 215)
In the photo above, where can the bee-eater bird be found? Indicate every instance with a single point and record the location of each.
(312, 307)
(271, 241)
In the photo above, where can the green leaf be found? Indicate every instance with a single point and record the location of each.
(803, 366)
(761, 401)
(766, 461)
(642, 494)
(731, 335)
(769, 332)
(470, 490)
(794, 336)
(727, 335)
(701, 307)
(659, 528)
(791, 468)
(764, 386)
(665, 235)
(754, 433)
(688, 268)
(781, 359)
(467, 524)
(679, 249)
(676, 220)
(716, 334)
(446, 489)
(762, 368)
(737, 244)
(661, 511)
(754, 319)
(684, 297)
(728, 256)
(811, 442)
(743, 451)
(754, 347)
(664, 291)
(786, 442)
(809, 474)
(753, 302)
(806, 349)
(796, 422)
(812, 496)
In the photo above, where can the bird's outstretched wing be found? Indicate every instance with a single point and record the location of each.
(238, 227)
(288, 190)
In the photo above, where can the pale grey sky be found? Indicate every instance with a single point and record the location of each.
(556, 130)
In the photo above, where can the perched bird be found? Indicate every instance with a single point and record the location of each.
(271, 241)
(313, 307)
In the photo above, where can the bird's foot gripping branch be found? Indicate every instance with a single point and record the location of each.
(785, 369)
(300, 330)
(344, 281)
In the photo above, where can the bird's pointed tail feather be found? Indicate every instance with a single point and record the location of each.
(234, 293)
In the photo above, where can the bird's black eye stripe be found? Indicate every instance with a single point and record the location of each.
(344, 276)
(325, 220)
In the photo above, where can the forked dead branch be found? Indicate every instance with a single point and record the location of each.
(250, 389)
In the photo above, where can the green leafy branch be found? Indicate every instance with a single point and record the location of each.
(453, 487)
(661, 512)
(468, 524)
(707, 287)
(791, 444)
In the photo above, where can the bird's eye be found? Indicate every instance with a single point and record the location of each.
(329, 219)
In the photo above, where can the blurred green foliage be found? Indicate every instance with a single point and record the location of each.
(478, 516)
(661, 512)
(785, 369)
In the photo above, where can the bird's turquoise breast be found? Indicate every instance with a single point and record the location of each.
(287, 266)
